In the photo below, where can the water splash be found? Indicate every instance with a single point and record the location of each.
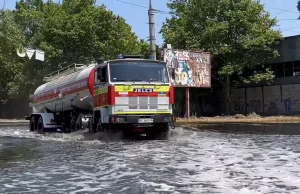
(186, 162)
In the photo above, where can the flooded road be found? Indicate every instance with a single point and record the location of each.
(200, 161)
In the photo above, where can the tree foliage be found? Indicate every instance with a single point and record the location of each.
(69, 32)
(11, 37)
(238, 33)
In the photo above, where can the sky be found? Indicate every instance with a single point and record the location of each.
(135, 12)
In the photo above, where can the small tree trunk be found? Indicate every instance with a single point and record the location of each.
(228, 96)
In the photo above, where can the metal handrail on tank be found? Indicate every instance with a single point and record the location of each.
(64, 71)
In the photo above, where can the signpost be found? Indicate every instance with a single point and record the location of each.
(189, 69)
(39, 55)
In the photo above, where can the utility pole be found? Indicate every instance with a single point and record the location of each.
(152, 30)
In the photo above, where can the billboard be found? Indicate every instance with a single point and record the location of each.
(188, 68)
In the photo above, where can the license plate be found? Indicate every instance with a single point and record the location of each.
(146, 120)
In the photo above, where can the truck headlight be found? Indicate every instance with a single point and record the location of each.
(120, 120)
(168, 119)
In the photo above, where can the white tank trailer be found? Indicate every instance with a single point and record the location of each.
(65, 90)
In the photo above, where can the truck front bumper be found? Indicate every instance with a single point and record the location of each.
(142, 119)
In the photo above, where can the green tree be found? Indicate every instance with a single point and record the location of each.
(69, 32)
(145, 50)
(11, 37)
(238, 33)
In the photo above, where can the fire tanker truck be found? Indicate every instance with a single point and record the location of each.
(130, 94)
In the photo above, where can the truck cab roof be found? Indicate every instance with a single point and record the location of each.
(145, 60)
(126, 58)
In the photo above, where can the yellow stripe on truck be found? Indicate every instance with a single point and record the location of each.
(100, 91)
(126, 88)
(136, 113)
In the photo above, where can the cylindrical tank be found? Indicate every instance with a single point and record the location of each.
(75, 89)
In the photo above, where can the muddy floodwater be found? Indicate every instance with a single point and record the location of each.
(214, 159)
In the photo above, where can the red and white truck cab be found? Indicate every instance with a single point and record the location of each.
(133, 93)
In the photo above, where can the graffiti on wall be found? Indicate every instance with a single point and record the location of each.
(273, 100)
(238, 100)
(254, 105)
(291, 98)
(254, 100)
(188, 69)
(238, 105)
(287, 104)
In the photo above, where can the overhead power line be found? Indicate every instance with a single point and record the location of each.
(125, 2)
(287, 19)
(168, 13)
(282, 10)
(292, 28)
(141, 6)
(285, 10)
(289, 30)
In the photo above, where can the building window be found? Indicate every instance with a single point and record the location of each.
(288, 69)
(296, 68)
(278, 69)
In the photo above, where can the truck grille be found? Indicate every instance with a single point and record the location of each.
(141, 103)
(133, 102)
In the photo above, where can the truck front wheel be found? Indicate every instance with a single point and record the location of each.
(164, 130)
(99, 127)
(159, 130)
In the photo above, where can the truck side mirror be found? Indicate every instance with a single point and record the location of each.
(104, 74)
(99, 74)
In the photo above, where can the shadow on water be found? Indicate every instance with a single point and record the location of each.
(17, 124)
(245, 128)
(104, 137)
(14, 150)
(118, 136)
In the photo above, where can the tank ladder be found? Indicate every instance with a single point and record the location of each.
(64, 71)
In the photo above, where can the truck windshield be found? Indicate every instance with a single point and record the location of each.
(138, 71)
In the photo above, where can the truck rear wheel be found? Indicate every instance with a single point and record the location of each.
(40, 125)
(73, 124)
(33, 123)
(79, 125)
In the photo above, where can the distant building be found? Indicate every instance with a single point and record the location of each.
(283, 95)
(288, 63)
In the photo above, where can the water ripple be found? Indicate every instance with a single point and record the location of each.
(188, 162)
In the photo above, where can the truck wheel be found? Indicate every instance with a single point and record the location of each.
(32, 125)
(99, 127)
(40, 125)
(73, 124)
(78, 125)
(158, 130)
(164, 130)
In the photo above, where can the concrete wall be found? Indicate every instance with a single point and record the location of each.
(267, 100)
(238, 100)
(15, 109)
